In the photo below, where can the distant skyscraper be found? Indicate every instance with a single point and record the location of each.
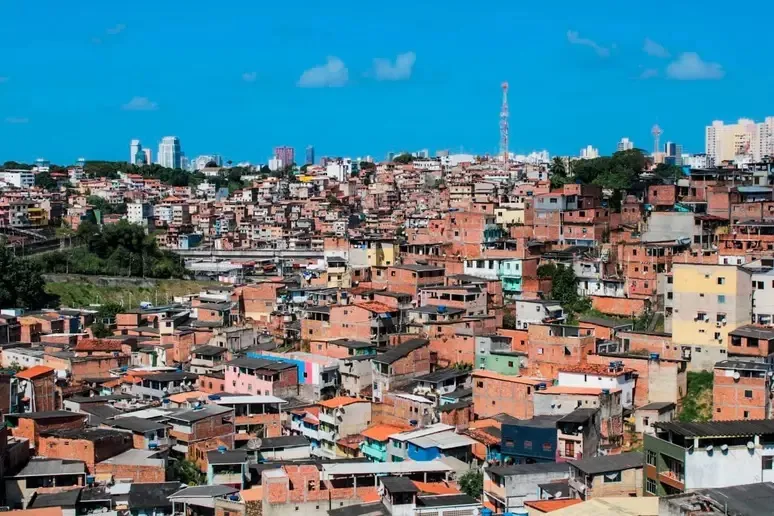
(135, 152)
(148, 156)
(726, 142)
(310, 155)
(169, 152)
(589, 152)
(185, 163)
(287, 155)
(625, 144)
(673, 153)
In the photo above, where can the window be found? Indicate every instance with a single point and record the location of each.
(509, 444)
(758, 285)
(721, 281)
(646, 421)
(612, 477)
(650, 486)
(510, 363)
(651, 457)
(768, 462)
(569, 449)
(527, 445)
(721, 299)
(480, 384)
(547, 447)
(748, 394)
(746, 414)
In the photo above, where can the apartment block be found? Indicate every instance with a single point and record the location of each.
(709, 302)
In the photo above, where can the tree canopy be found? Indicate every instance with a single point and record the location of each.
(564, 287)
(21, 284)
(44, 180)
(403, 159)
(121, 249)
(472, 483)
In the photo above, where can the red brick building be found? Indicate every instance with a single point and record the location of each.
(741, 390)
(495, 393)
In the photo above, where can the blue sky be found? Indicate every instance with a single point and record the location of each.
(356, 78)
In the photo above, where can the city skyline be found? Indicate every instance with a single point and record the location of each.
(616, 82)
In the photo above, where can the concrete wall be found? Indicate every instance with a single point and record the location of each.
(736, 467)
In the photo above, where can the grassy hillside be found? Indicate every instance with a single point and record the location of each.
(76, 294)
(697, 403)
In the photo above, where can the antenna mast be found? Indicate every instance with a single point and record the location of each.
(504, 126)
(656, 132)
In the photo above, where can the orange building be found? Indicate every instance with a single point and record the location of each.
(741, 390)
(495, 393)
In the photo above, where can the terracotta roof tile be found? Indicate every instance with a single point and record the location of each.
(381, 432)
(552, 505)
(339, 401)
(34, 372)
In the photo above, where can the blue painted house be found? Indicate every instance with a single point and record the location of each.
(530, 441)
(439, 445)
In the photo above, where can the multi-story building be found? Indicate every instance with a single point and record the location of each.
(136, 154)
(18, 178)
(310, 155)
(170, 155)
(746, 138)
(687, 456)
(287, 155)
(506, 488)
(709, 302)
(741, 390)
(341, 417)
(624, 145)
(611, 475)
(138, 212)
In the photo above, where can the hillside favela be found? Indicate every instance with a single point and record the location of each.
(423, 332)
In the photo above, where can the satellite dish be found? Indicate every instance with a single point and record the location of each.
(254, 444)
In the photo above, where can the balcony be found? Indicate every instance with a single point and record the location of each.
(327, 418)
(670, 478)
(375, 452)
(327, 436)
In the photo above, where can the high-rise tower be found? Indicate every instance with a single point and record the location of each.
(504, 125)
(656, 132)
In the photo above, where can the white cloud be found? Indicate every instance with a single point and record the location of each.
(574, 38)
(385, 70)
(16, 120)
(655, 49)
(649, 73)
(249, 76)
(140, 104)
(332, 74)
(690, 67)
(117, 29)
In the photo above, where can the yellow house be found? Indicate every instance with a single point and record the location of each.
(508, 216)
(709, 301)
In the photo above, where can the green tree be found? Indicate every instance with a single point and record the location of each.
(44, 180)
(509, 321)
(105, 207)
(14, 165)
(665, 172)
(403, 159)
(472, 483)
(100, 330)
(186, 472)
(559, 174)
(564, 287)
(367, 166)
(21, 283)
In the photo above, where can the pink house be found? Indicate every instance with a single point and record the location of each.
(259, 376)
